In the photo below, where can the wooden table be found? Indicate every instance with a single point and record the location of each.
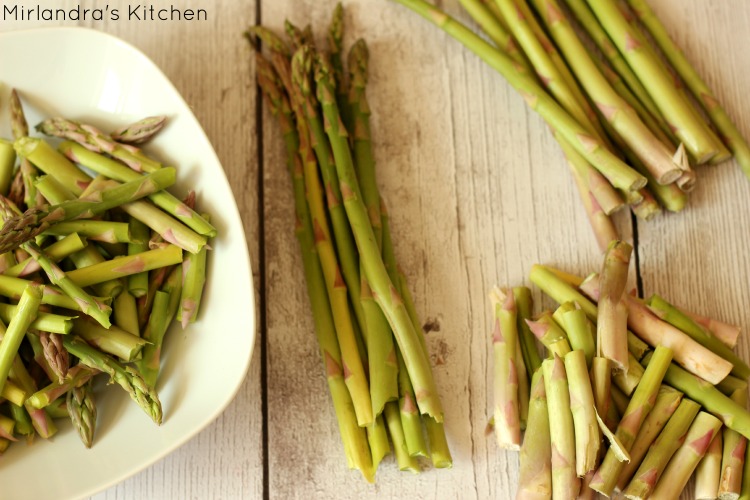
(478, 192)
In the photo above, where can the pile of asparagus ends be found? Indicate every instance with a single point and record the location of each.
(629, 111)
(632, 396)
(92, 271)
(373, 349)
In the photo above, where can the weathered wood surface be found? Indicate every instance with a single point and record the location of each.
(478, 193)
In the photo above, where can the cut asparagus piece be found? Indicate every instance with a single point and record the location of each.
(535, 479)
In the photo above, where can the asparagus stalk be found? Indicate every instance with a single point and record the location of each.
(601, 386)
(745, 495)
(141, 131)
(708, 472)
(158, 323)
(12, 393)
(126, 376)
(524, 389)
(726, 333)
(733, 456)
(97, 230)
(619, 174)
(580, 332)
(138, 283)
(524, 304)
(7, 162)
(354, 438)
(620, 400)
(504, 339)
(686, 458)
(666, 404)
(535, 479)
(76, 376)
(112, 340)
(54, 353)
(582, 406)
(627, 382)
(667, 312)
(26, 312)
(405, 461)
(698, 140)
(603, 227)
(194, 280)
(605, 479)
(611, 327)
(55, 252)
(733, 415)
(82, 410)
(121, 267)
(565, 483)
(550, 334)
(727, 129)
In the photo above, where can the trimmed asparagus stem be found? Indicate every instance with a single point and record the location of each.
(523, 387)
(51, 162)
(733, 457)
(121, 267)
(619, 174)
(82, 409)
(605, 479)
(353, 437)
(7, 162)
(524, 305)
(97, 141)
(667, 312)
(601, 386)
(112, 340)
(745, 495)
(395, 429)
(25, 314)
(623, 118)
(602, 226)
(410, 418)
(119, 172)
(620, 400)
(12, 393)
(141, 131)
(55, 252)
(731, 384)
(687, 352)
(565, 483)
(546, 329)
(97, 230)
(667, 402)
(535, 476)
(385, 292)
(728, 131)
(582, 406)
(90, 256)
(158, 323)
(52, 190)
(627, 382)
(611, 331)
(138, 283)
(733, 415)
(193, 283)
(504, 339)
(77, 375)
(661, 451)
(580, 332)
(126, 314)
(655, 78)
(726, 333)
(708, 471)
(686, 458)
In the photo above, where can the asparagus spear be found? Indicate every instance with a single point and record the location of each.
(619, 174)
(141, 131)
(733, 457)
(7, 162)
(611, 326)
(82, 410)
(523, 300)
(729, 133)
(627, 382)
(126, 376)
(603, 227)
(565, 483)
(708, 472)
(76, 376)
(601, 386)
(26, 312)
(194, 280)
(56, 252)
(535, 479)
(138, 283)
(55, 354)
(582, 406)
(112, 340)
(504, 339)
(121, 267)
(686, 458)
(580, 332)
(726, 333)
(605, 479)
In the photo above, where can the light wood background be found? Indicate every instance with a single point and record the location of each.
(478, 193)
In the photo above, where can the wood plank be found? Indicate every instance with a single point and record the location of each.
(209, 64)
(478, 192)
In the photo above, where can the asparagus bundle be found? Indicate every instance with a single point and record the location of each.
(627, 127)
(64, 263)
(644, 413)
(374, 353)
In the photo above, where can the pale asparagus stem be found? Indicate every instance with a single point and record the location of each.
(26, 312)
(733, 456)
(410, 418)
(377, 437)
(537, 98)
(687, 352)
(121, 267)
(607, 198)
(396, 431)
(731, 384)
(194, 281)
(623, 118)
(535, 476)
(77, 375)
(725, 332)
(686, 458)
(565, 483)
(676, 109)
(523, 386)
(138, 283)
(12, 393)
(620, 400)
(727, 129)
(664, 310)
(648, 207)
(601, 385)
(141, 131)
(524, 305)
(112, 340)
(582, 406)
(119, 172)
(627, 382)
(504, 339)
(51, 189)
(640, 406)
(55, 354)
(611, 331)
(550, 334)
(667, 402)
(56, 252)
(99, 142)
(708, 472)
(745, 495)
(51, 162)
(7, 162)
(602, 226)
(580, 331)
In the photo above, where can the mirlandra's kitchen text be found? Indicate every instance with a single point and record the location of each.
(134, 12)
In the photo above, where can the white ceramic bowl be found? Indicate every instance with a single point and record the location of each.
(97, 78)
